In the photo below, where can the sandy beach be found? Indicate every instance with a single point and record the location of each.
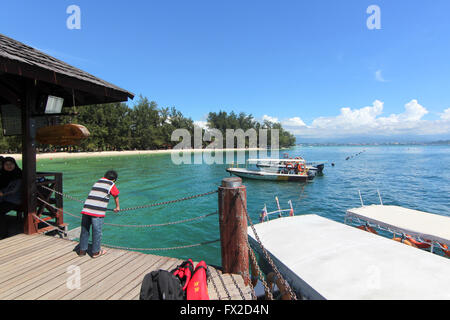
(62, 155)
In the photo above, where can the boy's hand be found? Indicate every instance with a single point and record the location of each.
(117, 209)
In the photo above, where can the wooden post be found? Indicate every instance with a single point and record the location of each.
(59, 199)
(233, 227)
(29, 159)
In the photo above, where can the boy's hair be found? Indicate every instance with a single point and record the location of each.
(111, 175)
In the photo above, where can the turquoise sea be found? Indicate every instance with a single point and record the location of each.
(416, 177)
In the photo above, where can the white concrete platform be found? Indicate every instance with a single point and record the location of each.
(324, 259)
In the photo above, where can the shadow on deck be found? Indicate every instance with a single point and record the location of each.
(40, 267)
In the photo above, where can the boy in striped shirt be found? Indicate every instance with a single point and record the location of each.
(94, 211)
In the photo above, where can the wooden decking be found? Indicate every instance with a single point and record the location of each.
(42, 267)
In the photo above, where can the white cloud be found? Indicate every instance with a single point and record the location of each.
(269, 118)
(293, 122)
(369, 121)
(201, 124)
(446, 114)
(379, 76)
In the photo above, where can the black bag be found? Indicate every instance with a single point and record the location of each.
(161, 285)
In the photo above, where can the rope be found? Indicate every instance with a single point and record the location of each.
(135, 226)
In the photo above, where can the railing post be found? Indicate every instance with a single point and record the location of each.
(233, 227)
(59, 199)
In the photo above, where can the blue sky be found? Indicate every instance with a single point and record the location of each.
(312, 65)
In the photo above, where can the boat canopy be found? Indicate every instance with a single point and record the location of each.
(276, 160)
(325, 259)
(416, 223)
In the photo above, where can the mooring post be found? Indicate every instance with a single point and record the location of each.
(233, 227)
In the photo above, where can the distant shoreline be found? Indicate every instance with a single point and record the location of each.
(64, 155)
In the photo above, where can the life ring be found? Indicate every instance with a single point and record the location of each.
(368, 229)
(418, 244)
(289, 166)
(405, 241)
(301, 167)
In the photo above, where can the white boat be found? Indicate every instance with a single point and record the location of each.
(415, 228)
(325, 259)
(294, 170)
(267, 175)
(315, 167)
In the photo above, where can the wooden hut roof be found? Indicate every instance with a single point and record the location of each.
(19, 61)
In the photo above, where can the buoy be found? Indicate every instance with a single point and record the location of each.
(368, 229)
(418, 244)
(445, 250)
(405, 241)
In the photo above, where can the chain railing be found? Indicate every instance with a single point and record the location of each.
(138, 226)
(251, 253)
(265, 253)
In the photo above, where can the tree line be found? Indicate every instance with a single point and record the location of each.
(144, 126)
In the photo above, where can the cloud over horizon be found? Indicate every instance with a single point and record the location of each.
(369, 121)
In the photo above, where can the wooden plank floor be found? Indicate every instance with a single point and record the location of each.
(41, 267)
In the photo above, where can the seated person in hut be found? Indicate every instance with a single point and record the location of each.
(10, 191)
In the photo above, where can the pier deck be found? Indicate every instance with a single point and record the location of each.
(36, 267)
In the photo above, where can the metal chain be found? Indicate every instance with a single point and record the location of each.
(237, 286)
(171, 201)
(266, 254)
(261, 276)
(140, 207)
(161, 249)
(161, 224)
(62, 194)
(135, 226)
(48, 224)
(215, 287)
(223, 284)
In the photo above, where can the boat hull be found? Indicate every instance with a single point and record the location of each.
(270, 176)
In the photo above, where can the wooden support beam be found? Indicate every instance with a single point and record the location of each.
(233, 227)
(9, 95)
(29, 158)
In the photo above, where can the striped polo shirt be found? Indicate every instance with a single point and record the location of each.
(98, 199)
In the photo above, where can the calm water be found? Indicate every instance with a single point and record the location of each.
(416, 177)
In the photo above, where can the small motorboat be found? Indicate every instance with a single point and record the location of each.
(269, 164)
(293, 170)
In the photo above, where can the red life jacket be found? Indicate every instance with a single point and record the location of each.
(197, 288)
(184, 272)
